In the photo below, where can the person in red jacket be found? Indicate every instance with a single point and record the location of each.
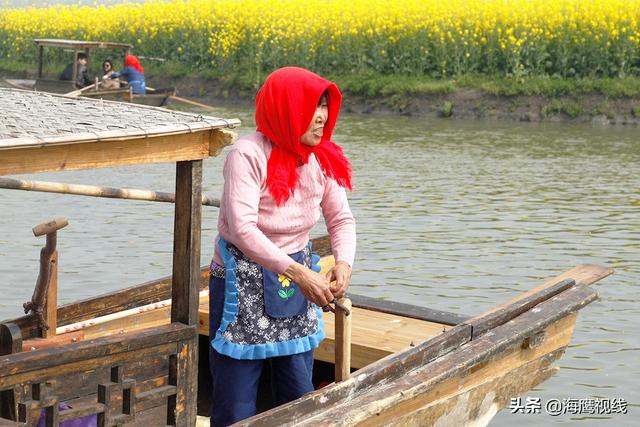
(265, 287)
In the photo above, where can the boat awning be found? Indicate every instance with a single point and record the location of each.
(80, 44)
(46, 132)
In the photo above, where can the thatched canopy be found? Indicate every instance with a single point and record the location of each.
(29, 118)
(46, 132)
(80, 44)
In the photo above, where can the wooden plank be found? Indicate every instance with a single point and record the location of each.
(583, 274)
(80, 44)
(407, 310)
(100, 154)
(63, 369)
(181, 408)
(185, 285)
(186, 243)
(54, 341)
(493, 318)
(34, 360)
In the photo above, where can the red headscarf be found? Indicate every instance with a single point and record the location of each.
(133, 61)
(285, 106)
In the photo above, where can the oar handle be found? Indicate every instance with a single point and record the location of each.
(50, 226)
(343, 339)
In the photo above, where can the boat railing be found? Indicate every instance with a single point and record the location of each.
(117, 379)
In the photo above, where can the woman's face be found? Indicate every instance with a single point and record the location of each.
(313, 135)
(106, 66)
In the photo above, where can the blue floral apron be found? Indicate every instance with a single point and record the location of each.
(264, 313)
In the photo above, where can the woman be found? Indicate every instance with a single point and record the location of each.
(108, 71)
(133, 73)
(265, 289)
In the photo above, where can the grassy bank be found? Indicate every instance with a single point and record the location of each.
(605, 100)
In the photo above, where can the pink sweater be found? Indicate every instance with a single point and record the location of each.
(266, 233)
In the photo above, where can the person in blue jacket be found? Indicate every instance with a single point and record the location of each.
(133, 73)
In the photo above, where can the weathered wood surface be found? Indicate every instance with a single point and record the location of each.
(49, 226)
(184, 288)
(10, 338)
(80, 44)
(113, 302)
(343, 322)
(53, 341)
(106, 154)
(582, 274)
(186, 243)
(119, 377)
(476, 406)
(363, 381)
(490, 320)
(44, 301)
(408, 310)
(26, 362)
(458, 372)
(391, 396)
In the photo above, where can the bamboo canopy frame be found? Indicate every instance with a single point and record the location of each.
(97, 191)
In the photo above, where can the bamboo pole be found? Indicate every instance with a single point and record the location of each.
(96, 191)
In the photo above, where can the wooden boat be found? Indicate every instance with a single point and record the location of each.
(154, 97)
(129, 356)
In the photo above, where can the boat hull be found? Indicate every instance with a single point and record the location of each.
(156, 98)
(462, 373)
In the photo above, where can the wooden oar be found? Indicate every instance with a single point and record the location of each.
(343, 339)
(82, 90)
(96, 191)
(191, 102)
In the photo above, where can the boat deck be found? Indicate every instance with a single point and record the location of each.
(374, 335)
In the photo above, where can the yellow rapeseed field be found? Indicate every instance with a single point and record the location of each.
(418, 37)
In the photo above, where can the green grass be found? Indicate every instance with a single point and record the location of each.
(384, 86)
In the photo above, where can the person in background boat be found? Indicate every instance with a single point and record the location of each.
(133, 74)
(265, 287)
(107, 81)
(82, 73)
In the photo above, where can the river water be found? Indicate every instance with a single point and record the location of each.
(452, 215)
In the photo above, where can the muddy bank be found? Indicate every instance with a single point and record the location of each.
(461, 104)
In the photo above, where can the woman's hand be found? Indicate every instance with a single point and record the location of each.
(341, 275)
(314, 286)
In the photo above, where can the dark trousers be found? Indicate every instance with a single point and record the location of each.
(235, 382)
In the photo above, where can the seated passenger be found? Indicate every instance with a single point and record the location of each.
(133, 74)
(107, 81)
(82, 74)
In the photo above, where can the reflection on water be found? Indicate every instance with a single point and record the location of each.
(455, 216)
